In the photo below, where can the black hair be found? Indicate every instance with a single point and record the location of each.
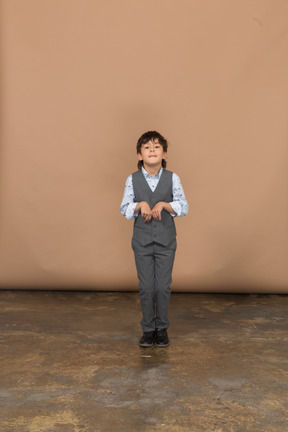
(151, 136)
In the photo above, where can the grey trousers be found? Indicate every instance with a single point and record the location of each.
(154, 264)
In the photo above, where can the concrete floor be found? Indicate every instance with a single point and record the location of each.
(70, 362)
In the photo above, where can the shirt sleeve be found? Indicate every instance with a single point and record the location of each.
(128, 205)
(179, 203)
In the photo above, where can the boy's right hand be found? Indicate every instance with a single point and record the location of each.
(146, 211)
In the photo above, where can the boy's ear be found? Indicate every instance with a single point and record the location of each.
(164, 156)
(139, 156)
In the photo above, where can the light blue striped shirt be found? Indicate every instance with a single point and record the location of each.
(179, 203)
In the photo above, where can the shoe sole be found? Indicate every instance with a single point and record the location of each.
(162, 345)
(146, 345)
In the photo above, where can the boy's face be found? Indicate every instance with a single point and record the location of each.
(152, 153)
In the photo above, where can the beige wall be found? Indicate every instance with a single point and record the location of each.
(82, 80)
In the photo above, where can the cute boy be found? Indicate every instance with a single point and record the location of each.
(153, 196)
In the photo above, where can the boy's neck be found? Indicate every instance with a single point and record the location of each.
(152, 170)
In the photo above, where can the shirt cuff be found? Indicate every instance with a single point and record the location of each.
(176, 206)
(130, 211)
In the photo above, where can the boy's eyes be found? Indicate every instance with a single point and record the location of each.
(147, 147)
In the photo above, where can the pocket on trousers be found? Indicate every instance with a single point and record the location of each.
(135, 244)
(173, 244)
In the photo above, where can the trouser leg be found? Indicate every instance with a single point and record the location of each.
(145, 265)
(164, 260)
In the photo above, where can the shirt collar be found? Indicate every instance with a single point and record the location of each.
(148, 176)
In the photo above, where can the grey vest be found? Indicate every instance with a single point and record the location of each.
(162, 231)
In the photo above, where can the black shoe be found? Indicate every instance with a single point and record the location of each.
(147, 340)
(161, 339)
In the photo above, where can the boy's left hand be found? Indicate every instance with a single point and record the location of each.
(157, 209)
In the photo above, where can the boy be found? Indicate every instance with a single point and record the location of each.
(153, 196)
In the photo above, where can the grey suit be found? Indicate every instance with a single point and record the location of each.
(154, 246)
